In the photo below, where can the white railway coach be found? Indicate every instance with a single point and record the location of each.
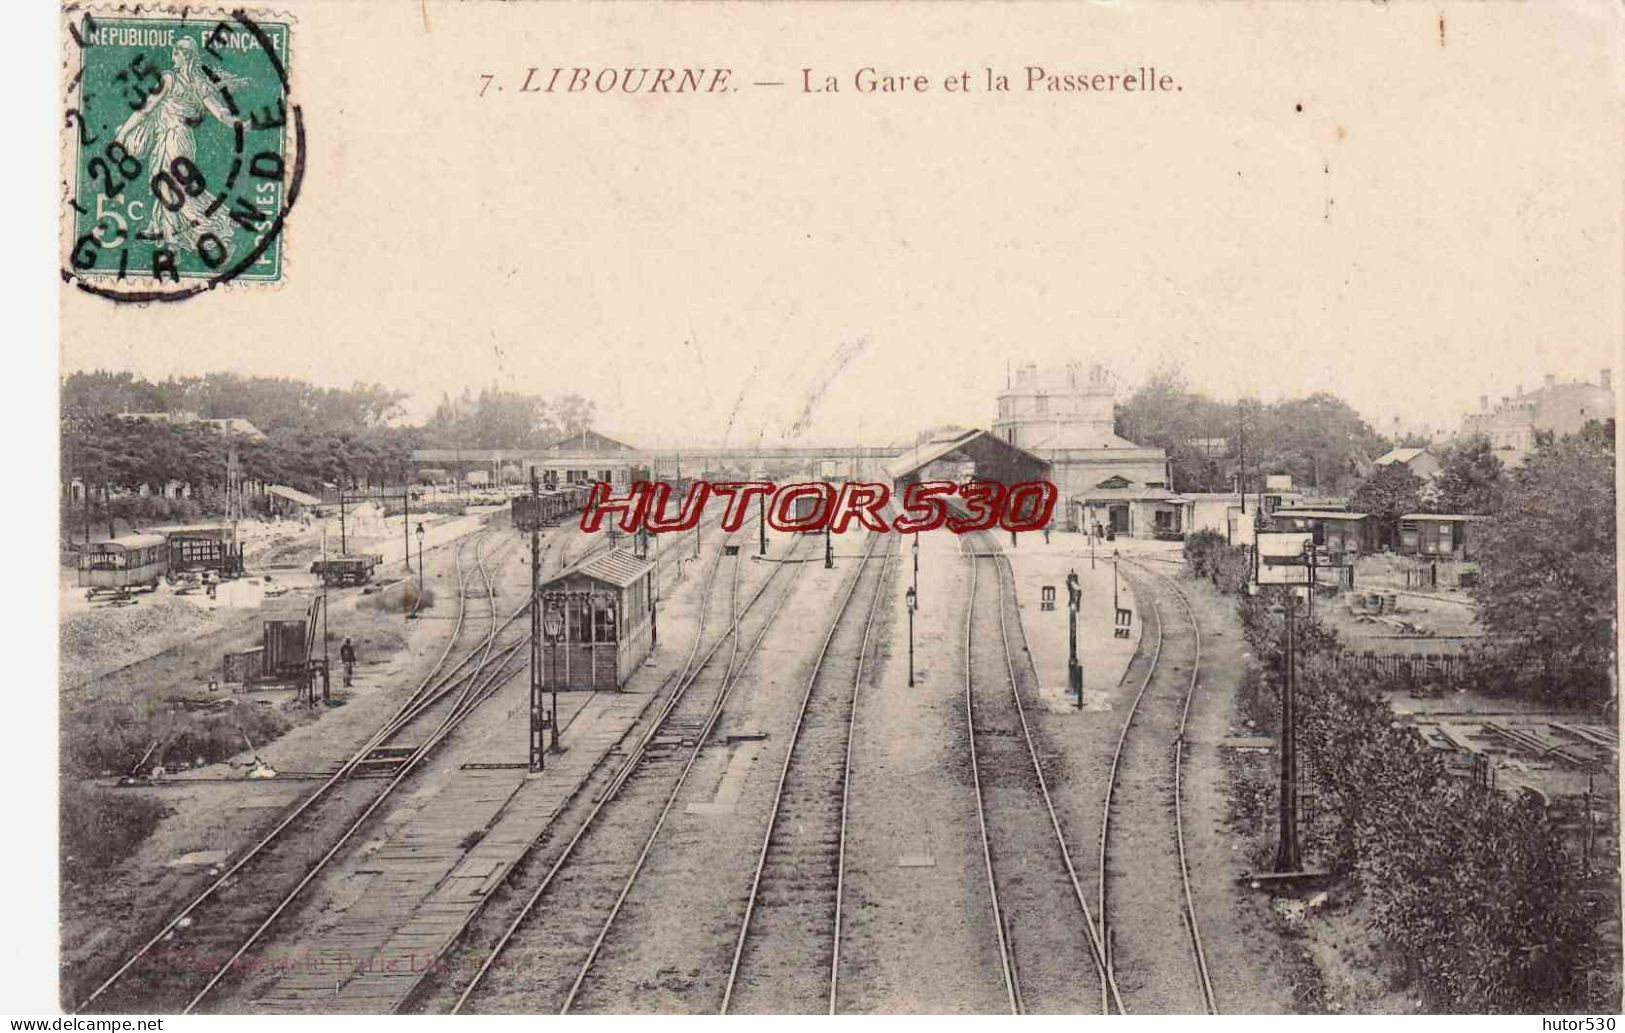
(121, 565)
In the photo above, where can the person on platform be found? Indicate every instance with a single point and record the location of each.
(347, 657)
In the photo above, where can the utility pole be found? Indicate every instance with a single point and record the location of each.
(537, 742)
(1287, 858)
(829, 549)
(326, 666)
(406, 522)
(761, 524)
(1241, 468)
(344, 545)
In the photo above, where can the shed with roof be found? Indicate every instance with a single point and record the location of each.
(1342, 534)
(598, 621)
(1439, 535)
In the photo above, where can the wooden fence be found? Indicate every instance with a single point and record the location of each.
(1438, 668)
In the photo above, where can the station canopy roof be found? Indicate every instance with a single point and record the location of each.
(616, 567)
(292, 495)
(990, 455)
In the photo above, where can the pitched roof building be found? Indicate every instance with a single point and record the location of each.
(1067, 418)
(1553, 408)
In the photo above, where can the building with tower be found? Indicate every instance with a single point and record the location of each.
(1066, 418)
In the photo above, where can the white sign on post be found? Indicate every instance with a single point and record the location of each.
(1283, 574)
(1283, 545)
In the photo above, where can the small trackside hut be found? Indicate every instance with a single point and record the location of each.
(597, 622)
(1442, 536)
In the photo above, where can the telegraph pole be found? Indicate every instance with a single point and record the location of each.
(344, 545)
(761, 524)
(1241, 469)
(406, 523)
(1287, 858)
(538, 748)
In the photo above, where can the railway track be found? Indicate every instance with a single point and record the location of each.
(1148, 758)
(165, 970)
(567, 918)
(149, 959)
(1041, 951)
(793, 911)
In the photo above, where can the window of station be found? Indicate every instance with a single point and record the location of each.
(579, 612)
(604, 619)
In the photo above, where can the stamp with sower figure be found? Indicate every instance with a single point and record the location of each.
(183, 151)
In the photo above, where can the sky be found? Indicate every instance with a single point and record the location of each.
(1351, 198)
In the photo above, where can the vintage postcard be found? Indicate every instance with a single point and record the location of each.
(784, 508)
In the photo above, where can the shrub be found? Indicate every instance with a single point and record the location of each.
(1228, 567)
(113, 738)
(400, 597)
(1472, 886)
(101, 827)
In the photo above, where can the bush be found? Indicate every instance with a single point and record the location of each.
(400, 597)
(101, 827)
(112, 739)
(1472, 886)
(1228, 567)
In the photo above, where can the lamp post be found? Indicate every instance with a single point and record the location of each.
(553, 627)
(1074, 602)
(829, 549)
(912, 598)
(1115, 603)
(420, 559)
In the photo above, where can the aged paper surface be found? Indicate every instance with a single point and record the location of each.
(361, 301)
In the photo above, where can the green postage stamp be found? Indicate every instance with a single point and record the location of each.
(182, 150)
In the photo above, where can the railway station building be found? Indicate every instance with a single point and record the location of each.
(1066, 418)
(579, 459)
(970, 454)
(598, 622)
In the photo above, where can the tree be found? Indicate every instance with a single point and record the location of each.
(1165, 413)
(573, 414)
(1471, 479)
(1547, 562)
(1319, 440)
(1390, 492)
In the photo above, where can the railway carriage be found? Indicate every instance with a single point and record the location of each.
(198, 550)
(549, 507)
(345, 570)
(120, 566)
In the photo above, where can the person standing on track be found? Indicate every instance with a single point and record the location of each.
(347, 657)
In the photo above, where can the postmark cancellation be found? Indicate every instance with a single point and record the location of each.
(182, 150)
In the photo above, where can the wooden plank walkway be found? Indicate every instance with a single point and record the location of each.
(429, 879)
